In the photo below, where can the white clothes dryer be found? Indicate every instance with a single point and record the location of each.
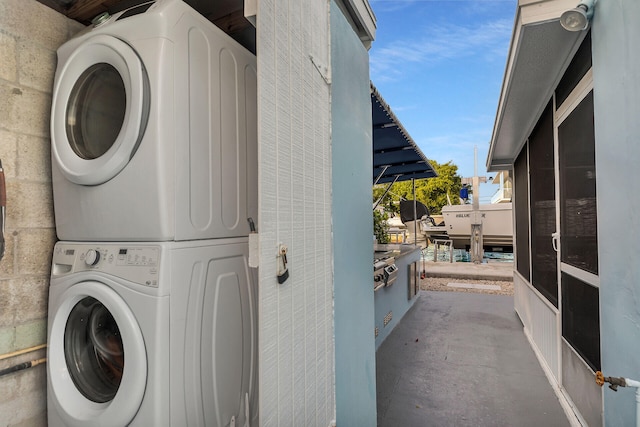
(152, 335)
(153, 129)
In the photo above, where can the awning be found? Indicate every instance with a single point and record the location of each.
(396, 157)
(539, 53)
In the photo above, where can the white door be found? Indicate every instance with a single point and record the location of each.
(97, 359)
(99, 111)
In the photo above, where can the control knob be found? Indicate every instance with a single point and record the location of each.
(92, 257)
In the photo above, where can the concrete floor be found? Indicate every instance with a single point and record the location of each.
(461, 359)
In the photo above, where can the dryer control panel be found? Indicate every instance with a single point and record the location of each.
(135, 263)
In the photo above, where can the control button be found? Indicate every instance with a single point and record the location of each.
(92, 257)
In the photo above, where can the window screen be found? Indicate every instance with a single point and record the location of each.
(581, 319)
(578, 218)
(580, 64)
(543, 207)
(521, 203)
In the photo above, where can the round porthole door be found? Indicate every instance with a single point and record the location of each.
(99, 111)
(97, 358)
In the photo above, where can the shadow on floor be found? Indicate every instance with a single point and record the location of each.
(461, 359)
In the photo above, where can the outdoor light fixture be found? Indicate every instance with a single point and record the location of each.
(577, 19)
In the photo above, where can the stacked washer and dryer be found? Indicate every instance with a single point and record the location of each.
(152, 305)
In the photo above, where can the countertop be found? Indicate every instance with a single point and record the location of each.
(394, 250)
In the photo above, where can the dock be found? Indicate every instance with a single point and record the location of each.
(502, 271)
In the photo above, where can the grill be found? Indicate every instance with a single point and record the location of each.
(385, 272)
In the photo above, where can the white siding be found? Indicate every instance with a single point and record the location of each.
(296, 318)
(540, 324)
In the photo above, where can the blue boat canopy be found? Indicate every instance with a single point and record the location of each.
(396, 157)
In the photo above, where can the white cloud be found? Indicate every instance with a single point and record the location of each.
(458, 147)
(439, 44)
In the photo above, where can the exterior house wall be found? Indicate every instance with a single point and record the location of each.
(297, 385)
(351, 149)
(616, 66)
(545, 324)
(30, 33)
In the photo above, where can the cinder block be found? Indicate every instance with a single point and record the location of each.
(25, 381)
(31, 334)
(29, 205)
(25, 384)
(7, 335)
(14, 204)
(24, 110)
(6, 306)
(9, 153)
(34, 158)
(30, 20)
(36, 66)
(28, 410)
(8, 389)
(29, 297)
(37, 420)
(34, 248)
(8, 64)
(7, 264)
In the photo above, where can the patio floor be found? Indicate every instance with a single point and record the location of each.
(462, 359)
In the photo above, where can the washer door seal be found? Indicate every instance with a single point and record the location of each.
(100, 110)
(74, 406)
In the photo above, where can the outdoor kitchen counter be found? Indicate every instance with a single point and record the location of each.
(393, 301)
(394, 250)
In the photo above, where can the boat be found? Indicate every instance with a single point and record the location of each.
(455, 226)
(497, 226)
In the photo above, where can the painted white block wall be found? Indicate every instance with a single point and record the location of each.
(297, 386)
(30, 34)
(616, 66)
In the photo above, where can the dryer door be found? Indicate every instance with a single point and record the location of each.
(100, 110)
(97, 359)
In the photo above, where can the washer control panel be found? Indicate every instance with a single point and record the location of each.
(137, 264)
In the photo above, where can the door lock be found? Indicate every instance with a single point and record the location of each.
(283, 271)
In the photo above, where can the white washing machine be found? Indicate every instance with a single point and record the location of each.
(154, 129)
(152, 335)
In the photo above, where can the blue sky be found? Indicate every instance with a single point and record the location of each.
(439, 64)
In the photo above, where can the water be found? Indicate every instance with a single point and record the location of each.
(461, 255)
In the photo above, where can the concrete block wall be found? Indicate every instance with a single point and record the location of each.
(30, 33)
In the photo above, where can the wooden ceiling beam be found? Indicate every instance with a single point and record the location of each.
(232, 23)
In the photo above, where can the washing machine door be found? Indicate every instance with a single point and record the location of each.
(100, 110)
(97, 358)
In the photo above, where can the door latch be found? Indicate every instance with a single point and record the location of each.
(283, 271)
(555, 237)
